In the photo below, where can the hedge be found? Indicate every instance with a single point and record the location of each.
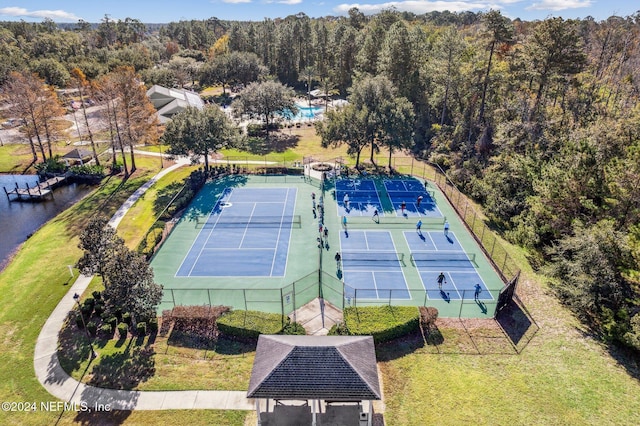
(384, 323)
(250, 324)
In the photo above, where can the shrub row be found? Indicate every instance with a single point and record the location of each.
(384, 323)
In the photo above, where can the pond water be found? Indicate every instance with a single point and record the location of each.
(20, 219)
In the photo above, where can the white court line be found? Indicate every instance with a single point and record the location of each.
(275, 252)
(224, 194)
(375, 285)
(293, 212)
(406, 283)
(244, 234)
(454, 285)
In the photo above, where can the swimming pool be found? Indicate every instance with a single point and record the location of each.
(304, 113)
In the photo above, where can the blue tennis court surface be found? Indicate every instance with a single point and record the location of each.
(247, 233)
(433, 253)
(357, 197)
(371, 266)
(408, 191)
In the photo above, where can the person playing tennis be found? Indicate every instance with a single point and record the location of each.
(441, 280)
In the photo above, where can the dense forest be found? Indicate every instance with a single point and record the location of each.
(537, 121)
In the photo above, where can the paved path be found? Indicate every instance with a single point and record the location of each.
(61, 385)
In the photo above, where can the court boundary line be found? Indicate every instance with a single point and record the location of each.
(246, 227)
(227, 191)
(372, 272)
(175, 274)
(275, 251)
(293, 212)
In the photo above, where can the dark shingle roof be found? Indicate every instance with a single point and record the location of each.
(315, 367)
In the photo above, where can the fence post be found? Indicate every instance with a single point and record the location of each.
(244, 296)
(209, 296)
(281, 302)
(482, 235)
(493, 246)
(505, 263)
(461, 304)
(173, 298)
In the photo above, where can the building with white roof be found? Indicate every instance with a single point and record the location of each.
(169, 102)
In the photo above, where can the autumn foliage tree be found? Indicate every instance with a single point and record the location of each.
(38, 106)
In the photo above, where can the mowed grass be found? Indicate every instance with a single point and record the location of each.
(30, 288)
(561, 377)
(142, 214)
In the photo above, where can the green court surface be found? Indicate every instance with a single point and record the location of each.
(251, 242)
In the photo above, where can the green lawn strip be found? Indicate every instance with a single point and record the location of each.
(142, 214)
(165, 417)
(15, 158)
(33, 284)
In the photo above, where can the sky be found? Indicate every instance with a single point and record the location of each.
(162, 11)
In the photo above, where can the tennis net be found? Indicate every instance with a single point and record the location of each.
(366, 258)
(441, 256)
(294, 221)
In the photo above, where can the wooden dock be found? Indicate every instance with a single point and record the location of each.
(37, 192)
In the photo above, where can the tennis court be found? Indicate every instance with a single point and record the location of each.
(371, 266)
(357, 197)
(407, 191)
(246, 233)
(433, 253)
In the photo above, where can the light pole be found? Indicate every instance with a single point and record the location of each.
(76, 297)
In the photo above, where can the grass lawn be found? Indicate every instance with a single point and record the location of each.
(561, 377)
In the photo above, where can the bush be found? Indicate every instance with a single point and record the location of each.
(250, 324)
(428, 317)
(92, 327)
(153, 326)
(126, 318)
(384, 323)
(294, 328)
(79, 321)
(52, 166)
(123, 330)
(86, 310)
(99, 308)
(89, 301)
(141, 329)
(88, 171)
(339, 329)
(97, 295)
(106, 329)
(111, 320)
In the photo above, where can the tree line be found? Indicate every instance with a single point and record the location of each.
(538, 121)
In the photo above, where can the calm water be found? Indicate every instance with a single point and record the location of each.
(18, 220)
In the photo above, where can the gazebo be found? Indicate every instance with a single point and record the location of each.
(77, 156)
(316, 370)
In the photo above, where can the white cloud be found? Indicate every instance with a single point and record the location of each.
(420, 7)
(55, 15)
(290, 1)
(560, 4)
(236, 1)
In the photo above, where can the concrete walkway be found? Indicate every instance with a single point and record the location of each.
(59, 384)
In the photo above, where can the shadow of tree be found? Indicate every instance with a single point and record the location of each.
(102, 418)
(277, 142)
(73, 345)
(400, 347)
(126, 369)
(225, 346)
